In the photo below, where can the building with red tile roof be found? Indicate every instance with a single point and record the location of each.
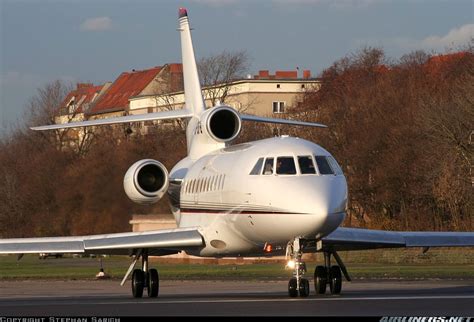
(150, 81)
(80, 99)
(264, 94)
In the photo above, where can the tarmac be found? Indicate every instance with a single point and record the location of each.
(106, 298)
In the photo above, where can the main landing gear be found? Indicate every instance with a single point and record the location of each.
(327, 274)
(323, 275)
(144, 278)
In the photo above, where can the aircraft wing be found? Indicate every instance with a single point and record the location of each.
(247, 117)
(358, 239)
(158, 242)
(166, 115)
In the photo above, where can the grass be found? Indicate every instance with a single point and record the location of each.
(30, 267)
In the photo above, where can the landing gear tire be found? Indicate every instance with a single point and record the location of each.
(138, 283)
(304, 288)
(292, 287)
(320, 279)
(335, 279)
(153, 283)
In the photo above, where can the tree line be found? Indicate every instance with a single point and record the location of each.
(402, 131)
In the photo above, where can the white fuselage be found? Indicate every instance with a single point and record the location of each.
(239, 212)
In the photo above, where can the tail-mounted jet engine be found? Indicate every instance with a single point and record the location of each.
(146, 181)
(222, 123)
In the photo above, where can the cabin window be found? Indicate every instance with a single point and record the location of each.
(306, 164)
(257, 167)
(201, 181)
(213, 183)
(285, 165)
(222, 182)
(335, 166)
(268, 167)
(323, 165)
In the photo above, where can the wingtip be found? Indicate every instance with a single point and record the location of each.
(183, 12)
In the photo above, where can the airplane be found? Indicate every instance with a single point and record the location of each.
(276, 196)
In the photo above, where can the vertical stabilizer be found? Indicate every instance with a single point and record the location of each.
(192, 87)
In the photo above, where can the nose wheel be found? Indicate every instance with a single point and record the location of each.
(323, 275)
(302, 290)
(298, 285)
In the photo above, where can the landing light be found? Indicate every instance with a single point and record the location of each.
(290, 264)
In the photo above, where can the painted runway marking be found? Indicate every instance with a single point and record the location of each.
(158, 301)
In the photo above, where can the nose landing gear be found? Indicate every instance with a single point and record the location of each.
(323, 275)
(298, 285)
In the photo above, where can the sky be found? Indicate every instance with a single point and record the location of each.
(96, 40)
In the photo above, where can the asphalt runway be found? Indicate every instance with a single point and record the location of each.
(235, 298)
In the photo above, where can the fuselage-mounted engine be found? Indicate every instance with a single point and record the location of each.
(146, 181)
(222, 123)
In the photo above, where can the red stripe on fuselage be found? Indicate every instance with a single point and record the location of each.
(243, 212)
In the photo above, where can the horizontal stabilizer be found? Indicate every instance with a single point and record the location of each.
(167, 115)
(246, 117)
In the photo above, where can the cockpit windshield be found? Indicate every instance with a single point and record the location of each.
(306, 164)
(285, 165)
(257, 167)
(323, 165)
(268, 167)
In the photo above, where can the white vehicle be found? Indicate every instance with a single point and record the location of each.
(281, 195)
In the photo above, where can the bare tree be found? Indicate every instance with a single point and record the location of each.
(45, 108)
(218, 71)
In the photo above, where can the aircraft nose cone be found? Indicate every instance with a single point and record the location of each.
(329, 201)
(330, 196)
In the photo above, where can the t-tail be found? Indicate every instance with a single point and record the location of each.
(207, 129)
(192, 86)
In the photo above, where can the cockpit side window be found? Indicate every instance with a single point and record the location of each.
(306, 164)
(285, 165)
(268, 167)
(323, 165)
(257, 167)
(335, 166)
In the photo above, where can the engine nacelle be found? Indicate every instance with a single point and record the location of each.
(146, 181)
(222, 123)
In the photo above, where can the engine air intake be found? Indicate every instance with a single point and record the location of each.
(224, 124)
(146, 181)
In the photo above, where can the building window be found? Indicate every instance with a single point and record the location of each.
(278, 85)
(278, 107)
